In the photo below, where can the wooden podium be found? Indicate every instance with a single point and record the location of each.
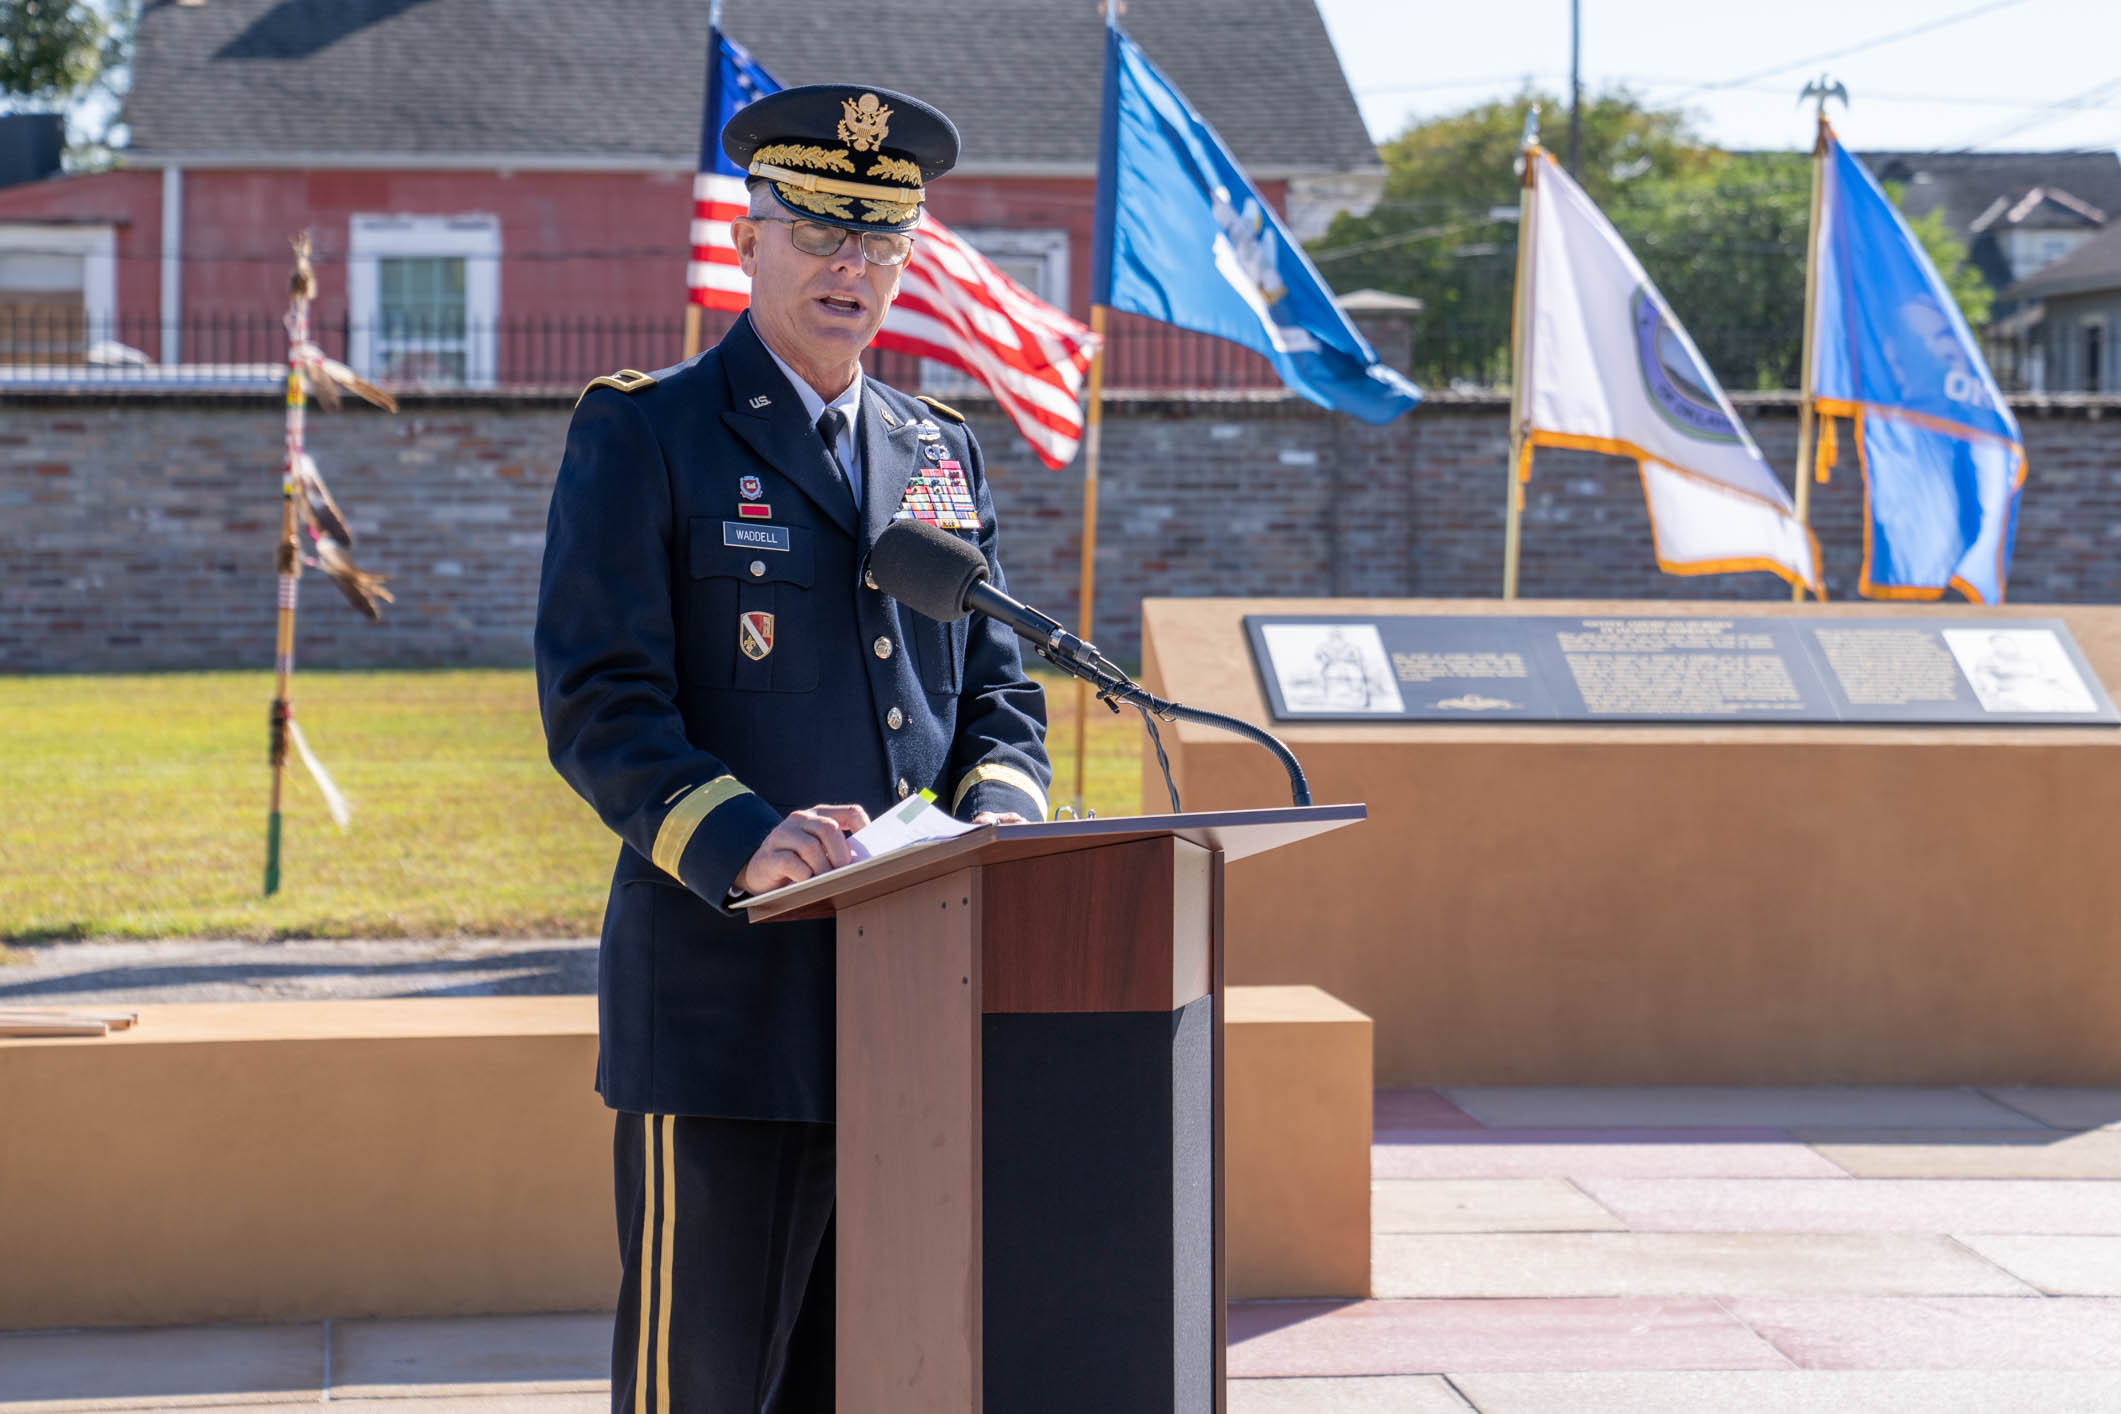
(1030, 1113)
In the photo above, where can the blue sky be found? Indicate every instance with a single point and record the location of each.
(2011, 74)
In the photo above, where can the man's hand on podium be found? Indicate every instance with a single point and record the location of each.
(806, 844)
(999, 817)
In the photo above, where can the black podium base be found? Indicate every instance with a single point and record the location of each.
(1098, 1212)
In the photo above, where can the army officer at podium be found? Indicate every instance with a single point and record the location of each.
(722, 682)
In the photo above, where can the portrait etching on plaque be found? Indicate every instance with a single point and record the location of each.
(1333, 668)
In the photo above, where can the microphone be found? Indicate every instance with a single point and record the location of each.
(935, 573)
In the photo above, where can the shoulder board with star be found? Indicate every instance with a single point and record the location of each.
(944, 408)
(626, 380)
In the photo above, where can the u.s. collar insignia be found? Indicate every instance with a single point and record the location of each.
(750, 488)
(762, 401)
(755, 635)
(866, 122)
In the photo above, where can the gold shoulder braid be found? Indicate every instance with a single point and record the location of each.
(823, 159)
(626, 380)
(944, 408)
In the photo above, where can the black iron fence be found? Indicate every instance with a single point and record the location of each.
(57, 345)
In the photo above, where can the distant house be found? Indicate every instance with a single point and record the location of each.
(2016, 211)
(2021, 215)
(2074, 306)
(500, 190)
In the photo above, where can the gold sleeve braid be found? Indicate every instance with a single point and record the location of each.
(684, 820)
(1000, 774)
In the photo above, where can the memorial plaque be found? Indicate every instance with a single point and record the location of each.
(1612, 668)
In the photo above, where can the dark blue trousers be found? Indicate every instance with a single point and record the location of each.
(725, 1232)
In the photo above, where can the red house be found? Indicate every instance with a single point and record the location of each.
(499, 190)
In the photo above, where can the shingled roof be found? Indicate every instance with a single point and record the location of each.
(618, 83)
(2093, 266)
(1966, 184)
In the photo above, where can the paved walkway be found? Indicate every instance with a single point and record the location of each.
(1843, 1251)
(65, 974)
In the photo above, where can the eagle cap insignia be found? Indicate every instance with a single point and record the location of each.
(866, 124)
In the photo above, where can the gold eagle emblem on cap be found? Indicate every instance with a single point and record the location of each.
(867, 122)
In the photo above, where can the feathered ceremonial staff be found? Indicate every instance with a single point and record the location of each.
(306, 504)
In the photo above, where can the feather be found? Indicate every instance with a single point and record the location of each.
(325, 377)
(319, 510)
(334, 801)
(302, 285)
(362, 588)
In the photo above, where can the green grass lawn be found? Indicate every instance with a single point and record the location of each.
(135, 807)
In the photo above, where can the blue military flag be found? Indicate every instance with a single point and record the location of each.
(1943, 460)
(1184, 238)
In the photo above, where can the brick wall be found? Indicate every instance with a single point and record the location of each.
(137, 532)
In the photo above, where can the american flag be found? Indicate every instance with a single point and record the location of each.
(953, 307)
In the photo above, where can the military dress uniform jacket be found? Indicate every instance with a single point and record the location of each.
(691, 743)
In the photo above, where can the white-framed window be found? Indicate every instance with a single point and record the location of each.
(424, 296)
(1037, 260)
(2093, 354)
(58, 291)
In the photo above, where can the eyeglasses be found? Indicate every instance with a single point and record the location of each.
(817, 238)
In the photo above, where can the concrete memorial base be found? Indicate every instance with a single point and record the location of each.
(285, 1161)
(1677, 905)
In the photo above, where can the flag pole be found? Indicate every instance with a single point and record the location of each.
(288, 557)
(1520, 335)
(1093, 429)
(707, 139)
(1806, 393)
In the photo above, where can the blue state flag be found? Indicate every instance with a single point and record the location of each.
(1183, 237)
(1943, 460)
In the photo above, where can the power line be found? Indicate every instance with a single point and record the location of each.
(1895, 37)
(1518, 77)
(1870, 95)
(2047, 113)
(1398, 238)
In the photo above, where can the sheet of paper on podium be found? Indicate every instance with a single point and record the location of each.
(914, 821)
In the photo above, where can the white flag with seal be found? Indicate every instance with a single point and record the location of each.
(1608, 369)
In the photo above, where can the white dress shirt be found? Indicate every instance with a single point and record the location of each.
(849, 403)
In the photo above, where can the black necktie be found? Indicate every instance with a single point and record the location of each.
(828, 427)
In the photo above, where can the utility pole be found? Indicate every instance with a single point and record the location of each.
(1575, 82)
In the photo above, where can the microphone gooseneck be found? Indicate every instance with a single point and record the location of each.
(937, 574)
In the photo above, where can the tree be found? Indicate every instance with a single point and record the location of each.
(50, 50)
(1435, 232)
(1721, 234)
(1725, 245)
